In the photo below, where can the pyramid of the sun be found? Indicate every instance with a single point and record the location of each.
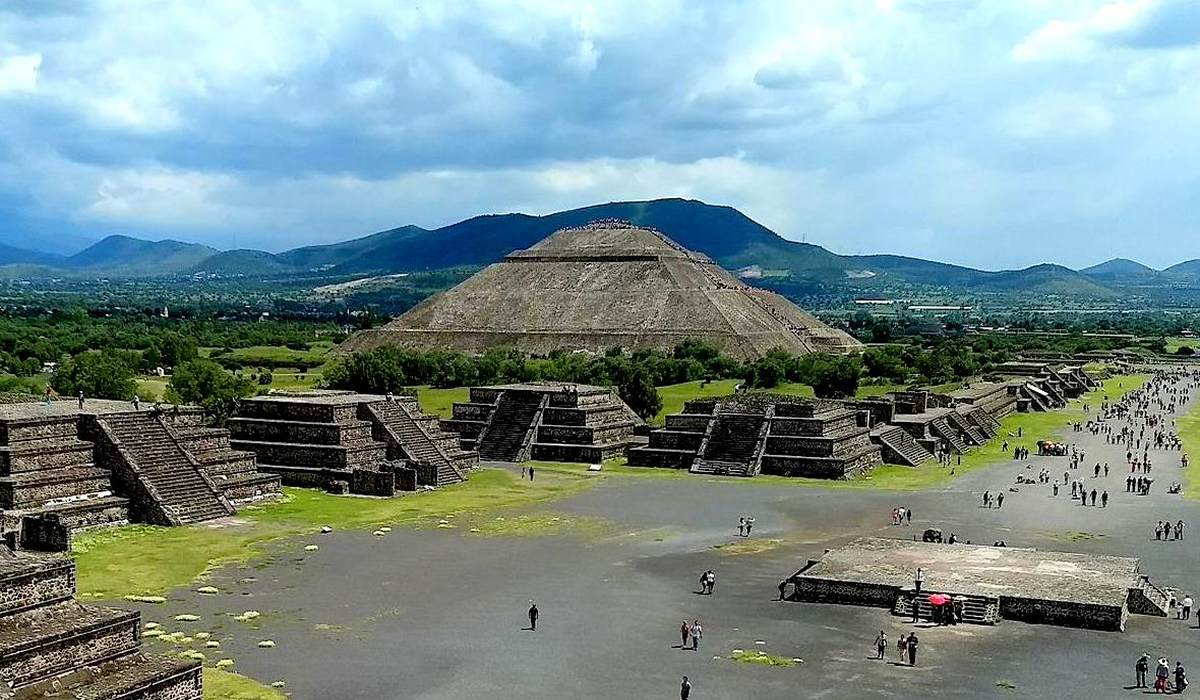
(604, 285)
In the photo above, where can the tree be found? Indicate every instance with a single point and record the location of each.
(836, 377)
(205, 383)
(1185, 350)
(175, 349)
(99, 375)
(637, 390)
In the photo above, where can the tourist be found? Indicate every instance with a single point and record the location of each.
(908, 516)
(912, 649)
(137, 402)
(1179, 530)
(1161, 673)
(782, 588)
(1093, 497)
(749, 525)
(918, 579)
(742, 524)
(1104, 500)
(1185, 610)
(1000, 500)
(902, 648)
(524, 469)
(685, 630)
(1180, 677)
(533, 615)
(697, 632)
(685, 689)
(1158, 530)
(80, 400)
(531, 472)
(1140, 668)
(1056, 488)
(880, 645)
(987, 499)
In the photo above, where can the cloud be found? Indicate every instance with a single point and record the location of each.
(19, 73)
(1140, 24)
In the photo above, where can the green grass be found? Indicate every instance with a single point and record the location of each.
(761, 658)
(276, 354)
(220, 684)
(294, 380)
(1188, 429)
(675, 395)
(1174, 343)
(152, 388)
(148, 560)
(440, 402)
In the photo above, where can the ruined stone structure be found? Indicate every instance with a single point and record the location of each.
(54, 647)
(607, 284)
(343, 441)
(1047, 385)
(550, 421)
(63, 469)
(994, 583)
(753, 433)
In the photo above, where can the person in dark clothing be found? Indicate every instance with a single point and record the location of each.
(531, 472)
(782, 588)
(1104, 500)
(533, 615)
(1000, 500)
(1140, 668)
(912, 649)
(685, 689)
(908, 515)
(1180, 677)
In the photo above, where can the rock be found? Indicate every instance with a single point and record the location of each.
(266, 644)
(311, 548)
(224, 663)
(212, 644)
(278, 684)
(326, 530)
(208, 590)
(155, 599)
(187, 618)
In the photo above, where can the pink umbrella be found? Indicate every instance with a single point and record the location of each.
(938, 599)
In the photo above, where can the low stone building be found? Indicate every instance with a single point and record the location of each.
(64, 468)
(752, 433)
(550, 421)
(993, 583)
(345, 441)
(54, 647)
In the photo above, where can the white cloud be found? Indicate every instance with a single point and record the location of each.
(19, 73)
(1057, 116)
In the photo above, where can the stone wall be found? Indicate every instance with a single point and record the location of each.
(21, 430)
(300, 431)
(1064, 613)
(50, 582)
(117, 635)
(44, 534)
(818, 590)
(696, 423)
(369, 482)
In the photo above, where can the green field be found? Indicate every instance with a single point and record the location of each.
(674, 396)
(440, 402)
(1174, 343)
(1188, 429)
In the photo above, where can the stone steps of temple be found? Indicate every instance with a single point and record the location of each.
(300, 455)
(164, 464)
(511, 420)
(902, 445)
(29, 489)
(133, 677)
(51, 454)
(198, 438)
(40, 429)
(411, 436)
(34, 582)
(227, 462)
(734, 438)
(660, 457)
(942, 428)
(45, 642)
(97, 510)
(987, 421)
(720, 468)
(969, 429)
(978, 610)
(245, 487)
(348, 432)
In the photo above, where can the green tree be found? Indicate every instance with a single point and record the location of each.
(99, 375)
(637, 390)
(205, 383)
(836, 377)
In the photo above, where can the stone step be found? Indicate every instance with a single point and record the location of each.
(244, 488)
(34, 456)
(45, 642)
(97, 511)
(660, 457)
(34, 582)
(134, 677)
(720, 468)
(29, 489)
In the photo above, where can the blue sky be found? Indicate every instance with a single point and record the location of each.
(995, 134)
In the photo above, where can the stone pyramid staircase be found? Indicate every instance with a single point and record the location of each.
(418, 438)
(731, 445)
(53, 647)
(901, 444)
(233, 472)
(942, 428)
(172, 479)
(972, 433)
(509, 429)
(977, 610)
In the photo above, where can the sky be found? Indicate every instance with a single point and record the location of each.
(997, 133)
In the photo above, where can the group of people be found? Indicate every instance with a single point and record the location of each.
(906, 647)
(988, 499)
(1163, 675)
(745, 525)
(1164, 530)
(708, 581)
(690, 633)
(901, 515)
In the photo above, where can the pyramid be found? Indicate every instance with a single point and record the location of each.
(606, 284)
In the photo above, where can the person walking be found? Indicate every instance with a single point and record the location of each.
(902, 648)
(880, 645)
(1185, 610)
(1000, 500)
(1161, 673)
(685, 689)
(1104, 500)
(684, 632)
(531, 472)
(742, 527)
(1140, 668)
(782, 588)
(80, 400)
(697, 632)
(912, 649)
(908, 516)
(711, 578)
(533, 615)
(749, 525)
(1180, 677)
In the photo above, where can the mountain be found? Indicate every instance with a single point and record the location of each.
(134, 256)
(325, 256)
(243, 262)
(12, 255)
(1121, 271)
(1186, 271)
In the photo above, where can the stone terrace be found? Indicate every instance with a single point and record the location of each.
(756, 433)
(1075, 590)
(550, 421)
(54, 647)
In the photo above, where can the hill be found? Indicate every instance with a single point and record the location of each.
(13, 255)
(243, 262)
(134, 256)
(1121, 271)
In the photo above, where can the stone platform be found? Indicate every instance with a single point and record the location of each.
(1061, 588)
(551, 421)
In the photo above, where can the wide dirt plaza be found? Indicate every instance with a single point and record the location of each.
(436, 607)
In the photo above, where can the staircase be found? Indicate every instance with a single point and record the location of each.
(731, 446)
(986, 422)
(163, 469)
(720, 468)
(903, 445)
(977, 610)
(942, 428)
(512, 419)
(408, 436)
(968, 429)
(1149, 599)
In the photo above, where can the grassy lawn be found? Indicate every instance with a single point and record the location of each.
(294, 380)
(220, 684)
(1174, 343)
(148, 560)
(1188, 429)
(152, 388)
(276, 354)
(440, 402)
